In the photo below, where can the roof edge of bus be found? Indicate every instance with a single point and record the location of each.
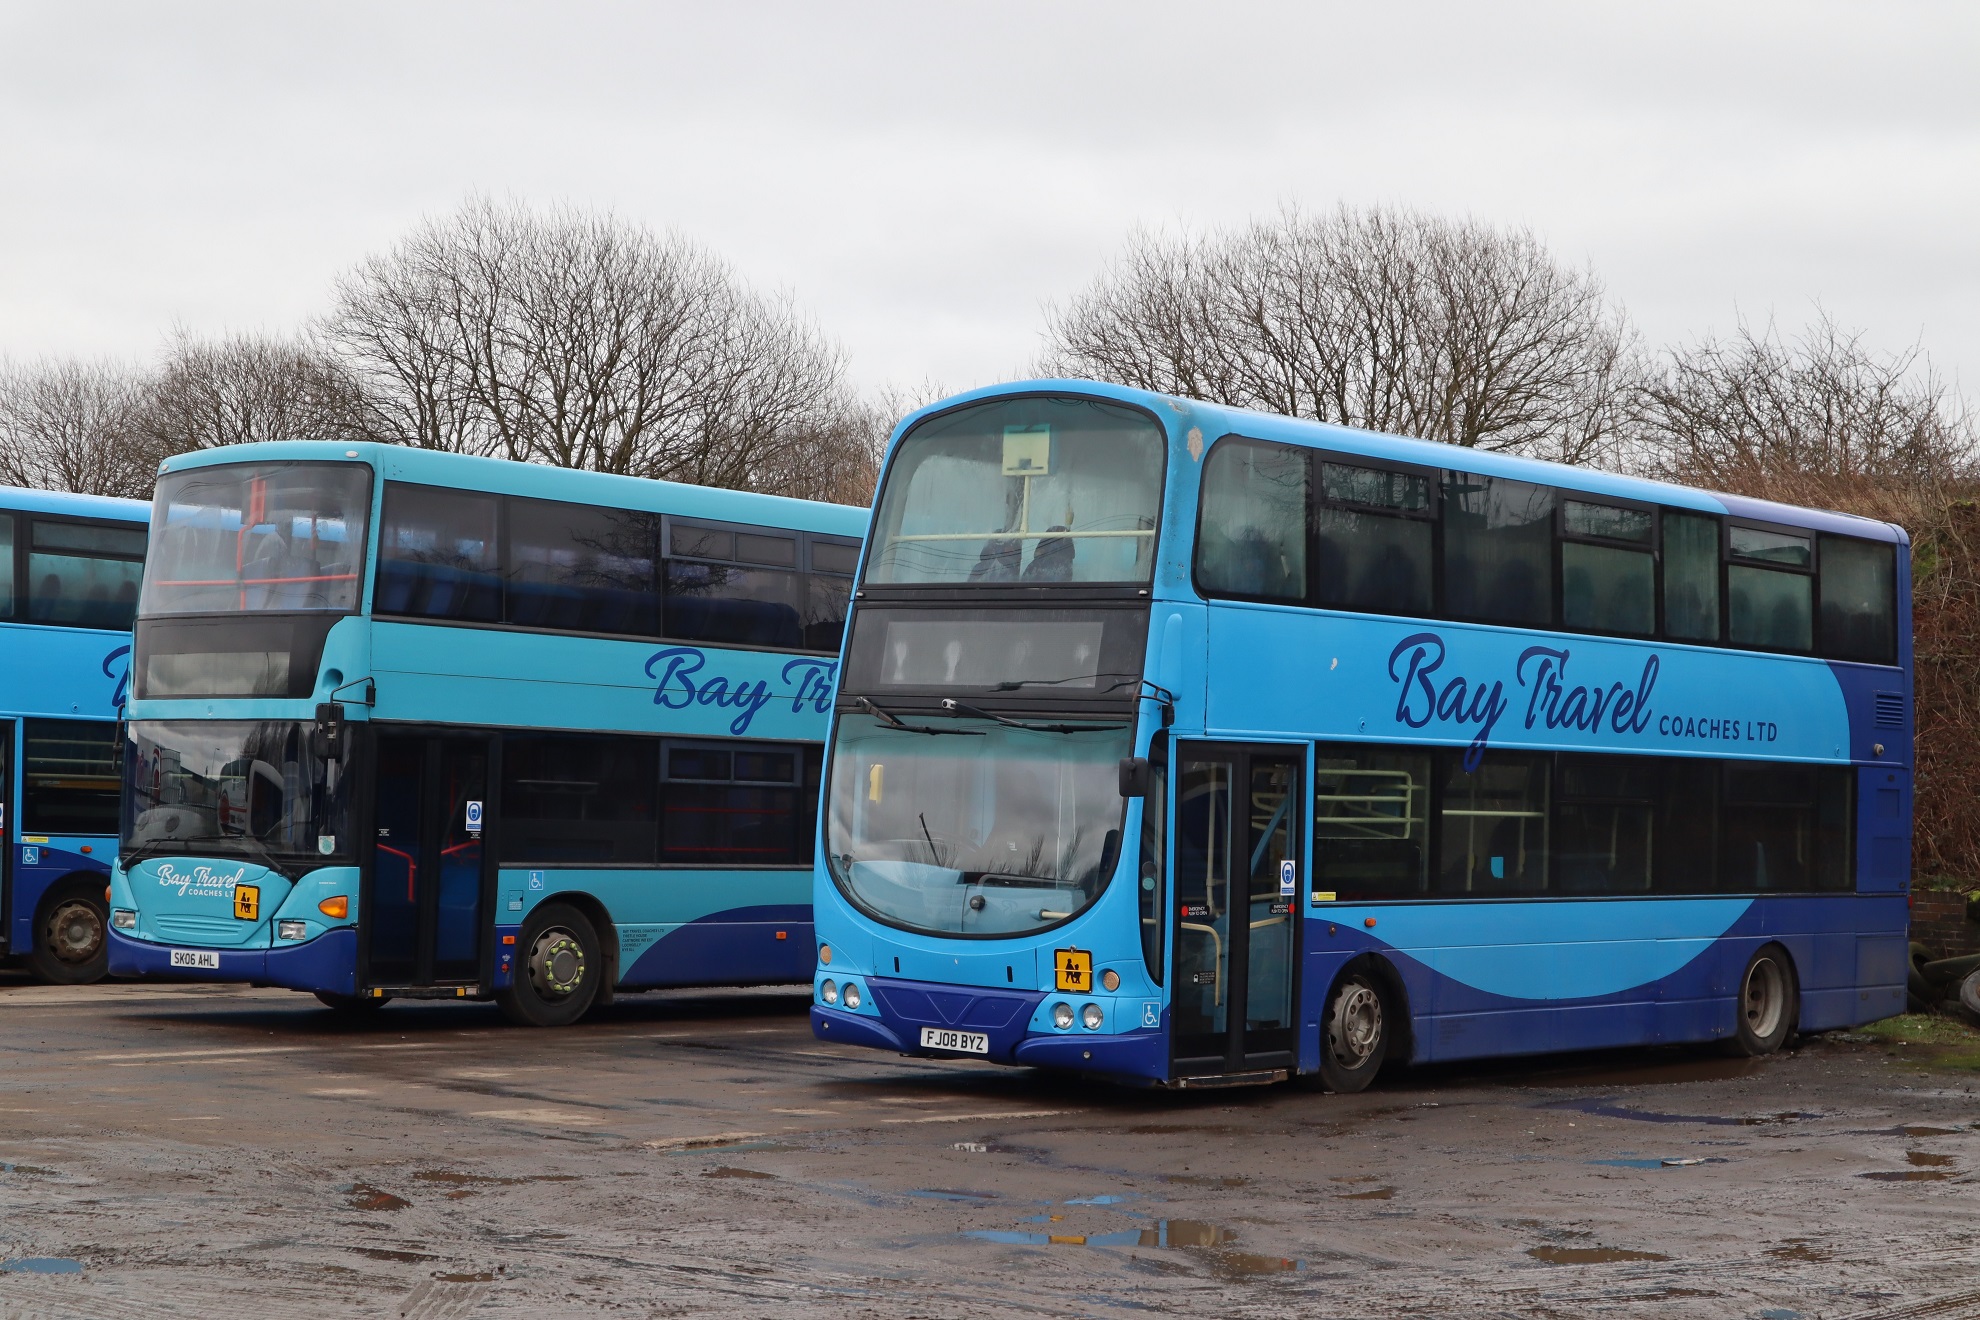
(577, 485)
(1431, 453)
(31, 499)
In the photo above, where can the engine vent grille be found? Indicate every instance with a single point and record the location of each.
(1890, 710)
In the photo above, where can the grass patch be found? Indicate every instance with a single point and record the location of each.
(1929, 1040)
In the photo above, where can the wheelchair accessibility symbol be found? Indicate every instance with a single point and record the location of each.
(1151, 1014)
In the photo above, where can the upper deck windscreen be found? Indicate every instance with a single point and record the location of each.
(1029, 490)
(244, 537)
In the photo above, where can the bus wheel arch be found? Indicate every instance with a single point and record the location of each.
(1766, 1002)
(1364, 1024)
(71, 935)
(566, 955)
(608, 936)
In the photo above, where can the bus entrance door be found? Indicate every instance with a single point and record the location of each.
(1238, 854)
(6, 834)
(423, 901)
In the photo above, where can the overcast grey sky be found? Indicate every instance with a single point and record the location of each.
(925, 177)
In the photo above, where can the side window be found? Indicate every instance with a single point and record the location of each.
(1770, 589)
(1493, 824)
(1251, 538)
(1608, 568)
(83, 575)
(736, 587)
(738, 804)
(1498, 550)
(69, 777)
(1373, 531)
(6, 565)
(579, 800)
(1604, 820)
(1784, 827)
(832, 565)
(1691, 577)
(1371, 822)
(581, 569)
(439, 555)
(1859, 600)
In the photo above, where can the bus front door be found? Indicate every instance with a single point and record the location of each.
(423, 900)
(1235, 932)
(6, 834)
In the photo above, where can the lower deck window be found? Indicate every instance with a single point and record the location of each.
(1391, 823)
(70, 777)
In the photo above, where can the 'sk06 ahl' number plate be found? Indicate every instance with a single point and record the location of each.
(201, 958)
(966, 1042)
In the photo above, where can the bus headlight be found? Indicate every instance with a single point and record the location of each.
(852, 994)
(1090, 1017)
(124, 919)
(292, 930)
(1062, 1016)
(829, 992)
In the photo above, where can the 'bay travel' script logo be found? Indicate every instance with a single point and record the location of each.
(681, 683)
(200, 881)
(121, 673)
(1426, 694)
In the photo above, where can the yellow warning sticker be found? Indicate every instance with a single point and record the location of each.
(247, 902)
(1073, 970)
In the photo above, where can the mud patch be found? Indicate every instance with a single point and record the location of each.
(1921, 1159)
(479, 1276)
(1603, 1108)
(387, 1253)
(363, 1196)
(1908, 1175)
(1552, 1255)
(731, 1171)
(1374, 1194)
(1798, 1249)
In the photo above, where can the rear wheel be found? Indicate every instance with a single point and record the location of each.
(1769, 1003)
(71, 942)
(1355, 1034)
(560, 969)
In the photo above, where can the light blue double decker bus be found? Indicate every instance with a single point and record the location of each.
(69, 570)
(1192, 746)
(408, 724)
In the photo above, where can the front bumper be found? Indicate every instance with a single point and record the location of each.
(326, 964)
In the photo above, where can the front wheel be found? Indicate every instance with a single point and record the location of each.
(71, 941)
(1355, 1036)
(559, 972)
(1769, 1000)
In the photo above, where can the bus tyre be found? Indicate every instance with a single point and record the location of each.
(1769, 1003)
(71, 939)
(351, 1005)
(560, 969)
(1354, 1038)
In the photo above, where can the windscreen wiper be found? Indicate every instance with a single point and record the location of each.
(964, 708)
(1015, 684)
(893, 721)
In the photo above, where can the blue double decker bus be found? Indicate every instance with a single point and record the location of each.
(408, 724)
(1192, 746)
(69, 570)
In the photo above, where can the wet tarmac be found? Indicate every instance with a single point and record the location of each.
(201, 1151)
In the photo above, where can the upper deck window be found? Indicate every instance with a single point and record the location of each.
(1859, 605)
(1769, 590)
(1374, 531)
(84, 575)
(258, 537)
(1498, 549)
(1028, 491)
(1253, 537)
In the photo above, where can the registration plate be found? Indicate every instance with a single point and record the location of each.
(205, 959)
(964, 1042)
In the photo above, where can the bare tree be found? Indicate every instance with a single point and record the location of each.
(70, 425)
(1383, 319)
(580, 340)
(1756, 414)
(242, 388)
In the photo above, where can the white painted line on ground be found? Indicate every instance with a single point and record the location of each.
(223, 1052)
(709, 1139)
(974, 1118)
(565, 1117)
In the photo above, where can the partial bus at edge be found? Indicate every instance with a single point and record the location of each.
(415, 725)
(69, 571)
(1188, 746)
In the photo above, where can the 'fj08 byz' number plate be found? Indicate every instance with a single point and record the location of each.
(200, 958)
(967, 1042)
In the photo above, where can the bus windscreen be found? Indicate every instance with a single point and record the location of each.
(258, 537)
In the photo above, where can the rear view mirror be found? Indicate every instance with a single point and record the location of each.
(1137, 777)
(326, 740)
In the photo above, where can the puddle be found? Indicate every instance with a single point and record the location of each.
(482, 1276)
(1909, 1175)
(730, 1171)
(1911, 1132)
(1676, 1071)
(40, 1265)
(1376, 1194)
(1206, 1180)
(952, 1194)
(1183, 1234)
(363, 1196)
(1798, 1249)
(1610, 1109)
(29, 1168)
(1919, 1159)
(384, 1253)
(1667, 1162)
(1590, 1255)
(1096, 1200)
